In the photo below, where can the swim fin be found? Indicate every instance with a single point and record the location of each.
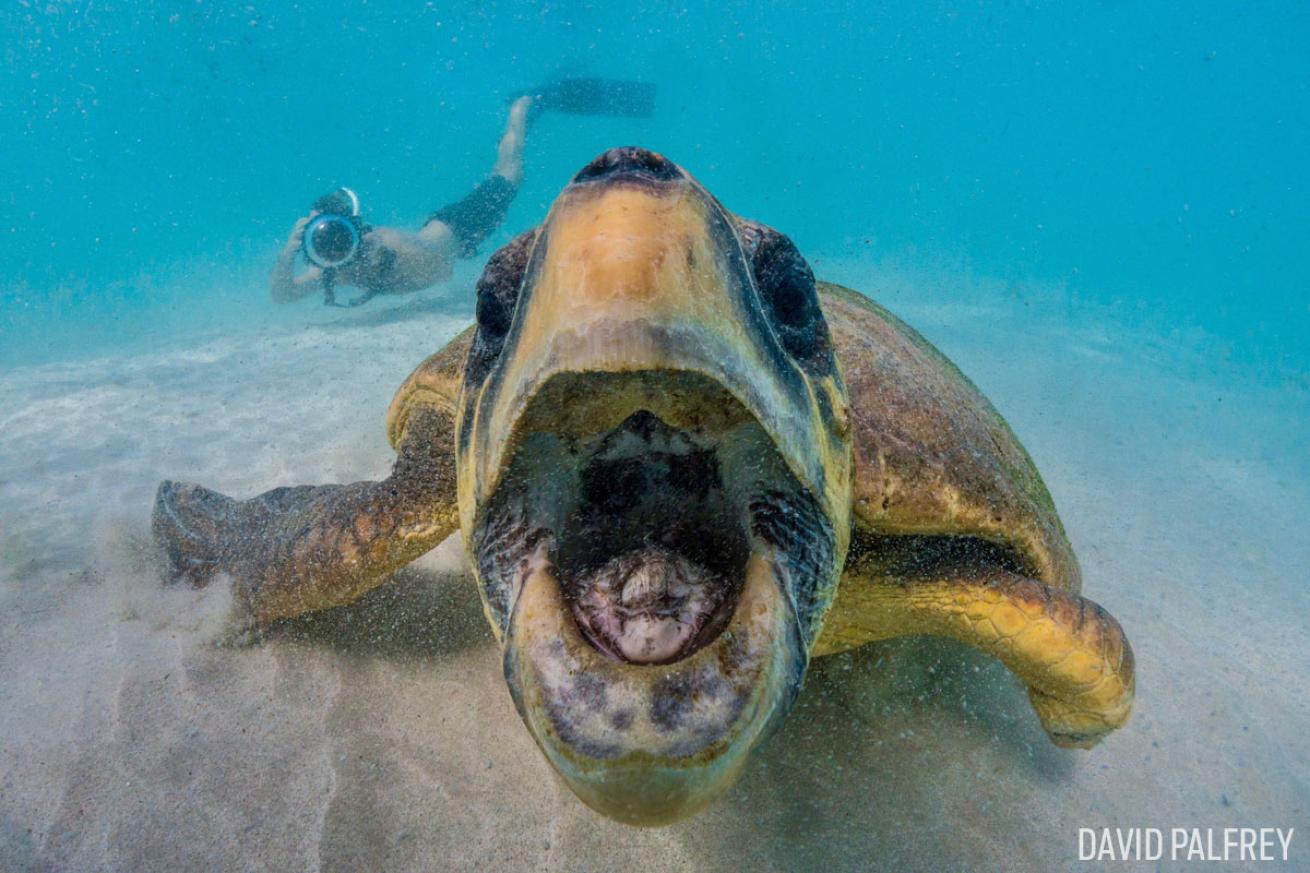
(595, 96)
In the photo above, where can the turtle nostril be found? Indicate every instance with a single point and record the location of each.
(630, 161)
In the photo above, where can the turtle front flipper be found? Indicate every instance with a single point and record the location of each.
(295, 550)
(1070, 653)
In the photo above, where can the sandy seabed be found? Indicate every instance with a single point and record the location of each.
(381, 737)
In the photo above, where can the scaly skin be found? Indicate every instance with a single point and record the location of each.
(296, 550)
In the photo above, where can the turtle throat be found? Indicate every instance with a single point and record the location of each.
(648, 528)
(649, 606)
(653, 553)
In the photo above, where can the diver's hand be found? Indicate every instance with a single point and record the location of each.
(284, 284)
(297, 237)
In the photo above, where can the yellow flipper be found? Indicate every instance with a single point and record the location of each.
(1071, 653)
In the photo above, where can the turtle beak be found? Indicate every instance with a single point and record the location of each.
(655, 494)
(638, 268)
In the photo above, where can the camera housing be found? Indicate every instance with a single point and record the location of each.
(333, 237)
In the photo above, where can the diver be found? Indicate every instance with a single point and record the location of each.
(341, 249)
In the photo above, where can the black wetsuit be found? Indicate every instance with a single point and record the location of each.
(474, 218)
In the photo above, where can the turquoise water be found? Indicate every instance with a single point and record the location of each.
(1149, 158)
(1098, 211)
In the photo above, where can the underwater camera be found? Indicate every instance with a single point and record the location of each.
(332, 238)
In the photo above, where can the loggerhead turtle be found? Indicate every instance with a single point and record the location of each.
(682, 468)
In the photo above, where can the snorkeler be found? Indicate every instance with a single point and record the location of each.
(342, 250)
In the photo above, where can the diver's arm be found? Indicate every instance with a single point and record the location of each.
(284, 284)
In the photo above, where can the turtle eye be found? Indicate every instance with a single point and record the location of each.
(498, 295)
(494, 312)
(498, 287)
(786, 287)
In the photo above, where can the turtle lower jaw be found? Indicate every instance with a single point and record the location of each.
(648, 744)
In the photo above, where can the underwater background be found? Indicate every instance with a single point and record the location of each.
(1099, 211)
(1151, 157)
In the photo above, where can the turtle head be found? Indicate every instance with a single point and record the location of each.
(654, 465)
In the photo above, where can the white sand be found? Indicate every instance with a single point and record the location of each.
(381, 737)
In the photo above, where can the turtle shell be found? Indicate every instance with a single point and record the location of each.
(434, 383)
(932, 456)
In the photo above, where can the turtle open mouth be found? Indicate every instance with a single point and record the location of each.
(647, 507)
